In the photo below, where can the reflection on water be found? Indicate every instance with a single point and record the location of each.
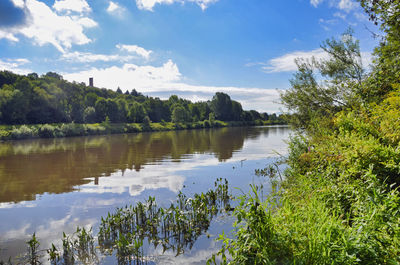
(50, 186)
(28, 168)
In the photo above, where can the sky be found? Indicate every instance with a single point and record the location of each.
(190, 48)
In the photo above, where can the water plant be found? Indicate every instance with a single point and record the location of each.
(176, 227)
(123, 232)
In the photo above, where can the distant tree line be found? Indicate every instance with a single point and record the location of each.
(34, 99)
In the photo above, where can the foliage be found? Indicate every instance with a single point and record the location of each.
(46, 131)
(343, 71)
(339, 201)
(22, 132)
(386, 67)
(180, 114)
(50, 99)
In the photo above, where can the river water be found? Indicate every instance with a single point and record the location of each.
(51, 186)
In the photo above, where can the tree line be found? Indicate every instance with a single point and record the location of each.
(34, 99)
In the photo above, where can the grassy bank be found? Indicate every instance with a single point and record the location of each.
(339, 202)
(16, 132)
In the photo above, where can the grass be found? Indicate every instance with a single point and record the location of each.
(338, 203)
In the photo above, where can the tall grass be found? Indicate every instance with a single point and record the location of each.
(338, 204)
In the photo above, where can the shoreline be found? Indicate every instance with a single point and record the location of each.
(64, 130)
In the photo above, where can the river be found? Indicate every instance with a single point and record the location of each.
(50, 186)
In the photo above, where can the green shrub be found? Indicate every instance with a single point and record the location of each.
(94, 129)
(23, 132)
(132, 128)
(4, 134)
(219, 124)
(46, 131)
(72, 129)
(206, 124)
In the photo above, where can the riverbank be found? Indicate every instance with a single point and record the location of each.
(339, 202)
(59, 130)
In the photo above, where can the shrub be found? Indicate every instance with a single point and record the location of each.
(46, 131)
(218, 124)
(94, 129)
(132, 128)
(4, 134)
(23, 132)
(72, 129)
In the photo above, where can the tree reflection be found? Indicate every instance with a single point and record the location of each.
(28, 168)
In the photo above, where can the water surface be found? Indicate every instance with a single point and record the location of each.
(53, 185)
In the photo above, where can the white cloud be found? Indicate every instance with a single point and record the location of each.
(347, 5)
(286, 63)
(47, 27)
(326, 23)
(85, 22)
(87, 57)
(315, 3)
(166, 79)
(340, 15)
(135, 49)
(79, 6)
(115, 9)
(15, 65)
(149, 4)
(366, 59)
(8, 36)
(130, 75)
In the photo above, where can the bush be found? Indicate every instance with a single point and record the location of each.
(218, 124)
(206, 124)
(46, 131)
(132, 128)
(23, 132)
(94, 129)
(4, 134)
(72, 129)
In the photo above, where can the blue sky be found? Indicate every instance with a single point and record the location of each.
(192, 48)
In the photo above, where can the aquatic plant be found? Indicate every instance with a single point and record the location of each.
(176, 227)
(123, 232)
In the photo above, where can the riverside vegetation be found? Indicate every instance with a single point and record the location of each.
(339, 202)
(123, 232)
(48, 106)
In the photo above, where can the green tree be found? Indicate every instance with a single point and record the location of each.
(221, 105)
(180, 114)
(136, 113)
(89, 115)
(343, 75)
(194, 111)
(112, 110)
(90, 99)
(386, 66)
(237, 111)
(101, 109)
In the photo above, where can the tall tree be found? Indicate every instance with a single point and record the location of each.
(343, 74)
(221, 105)
(386, 67)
